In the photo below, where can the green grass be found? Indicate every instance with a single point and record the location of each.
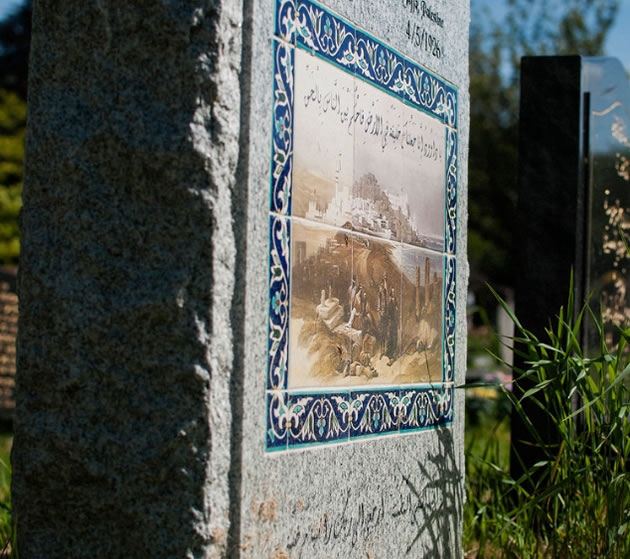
(575, 502)
(488, 433)
(487, 446)
(6, 525)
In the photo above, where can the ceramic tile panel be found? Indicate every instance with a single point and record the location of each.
(450, 110)
(325, 34)
(375, 412)
(277, 435)
(321, 272)
(375, 311)
(448, 340)
(430, 94)
(422, 311)
(426, 408)
(363, 221)
(278, 324)
(284, 20)
(323, 163)
(378, 190)
(450, 222)
(423, 196)
(380, 65)
(315, 418)
(282, 158)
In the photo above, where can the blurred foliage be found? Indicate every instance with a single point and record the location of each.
(12, 129)
(524, 28)
(15, 38)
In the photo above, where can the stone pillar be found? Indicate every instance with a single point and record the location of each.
(435, 285)
(173, 376)
(418, 304)
(427, 281)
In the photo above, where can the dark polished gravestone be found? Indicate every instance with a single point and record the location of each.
(574, 197)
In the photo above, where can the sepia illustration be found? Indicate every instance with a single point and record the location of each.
(399, 170)
(323, 142)
(364, 311)
(421, 316)
(321, 275)
(364, 159)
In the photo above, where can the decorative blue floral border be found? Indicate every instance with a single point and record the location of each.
(282, 148)
(299, 418)
(450, 202)
(448, 352)
(278, 327)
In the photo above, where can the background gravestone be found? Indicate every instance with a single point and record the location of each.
(243, 280)
(573, 198)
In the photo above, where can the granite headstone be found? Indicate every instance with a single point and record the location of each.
(243, 280)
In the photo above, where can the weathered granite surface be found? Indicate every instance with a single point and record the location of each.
(126, 280)
(143, 312)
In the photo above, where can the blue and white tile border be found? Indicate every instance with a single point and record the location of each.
(303, 418)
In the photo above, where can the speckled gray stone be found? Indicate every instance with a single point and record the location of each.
(126, 280)
(388, 497)
(143, 294)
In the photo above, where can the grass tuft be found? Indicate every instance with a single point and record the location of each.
(575, 502)
(8, 546)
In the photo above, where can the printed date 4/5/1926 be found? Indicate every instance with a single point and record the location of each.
(421, 38)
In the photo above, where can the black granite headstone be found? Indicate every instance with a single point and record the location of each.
(574, 193)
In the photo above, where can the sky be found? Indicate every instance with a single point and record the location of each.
(617, 44)
(618, 41)
(7, 6)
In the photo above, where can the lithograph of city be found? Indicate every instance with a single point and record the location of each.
(363, 215)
